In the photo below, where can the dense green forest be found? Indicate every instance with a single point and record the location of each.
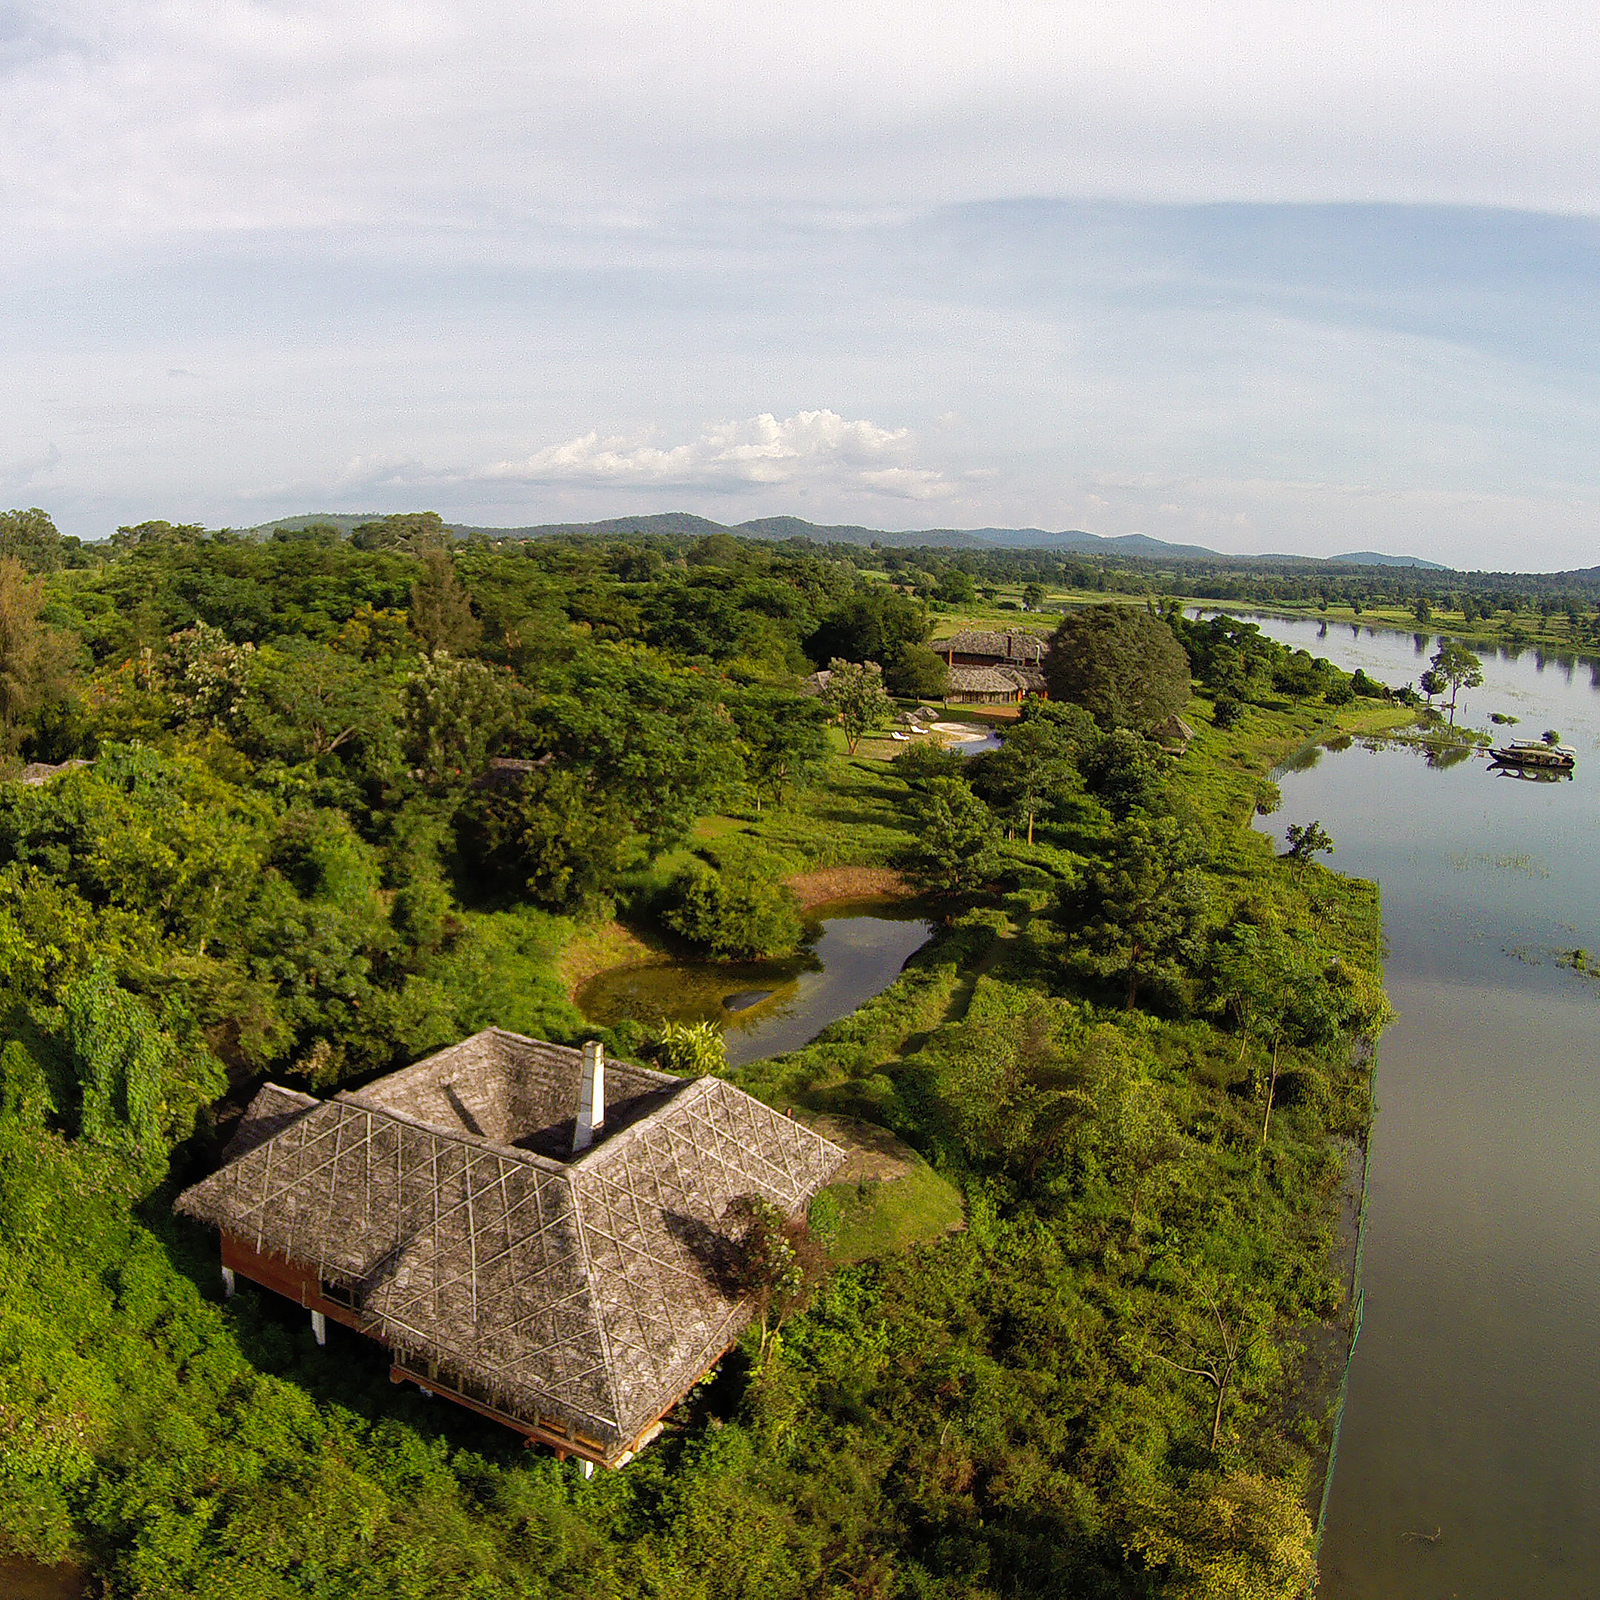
(325, 801)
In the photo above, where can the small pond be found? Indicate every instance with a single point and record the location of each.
(854, 950)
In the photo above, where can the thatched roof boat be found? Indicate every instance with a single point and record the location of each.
(548, 1237)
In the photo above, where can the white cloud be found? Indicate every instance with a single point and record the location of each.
(811, 447)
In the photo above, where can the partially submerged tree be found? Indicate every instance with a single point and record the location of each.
(1456, 666)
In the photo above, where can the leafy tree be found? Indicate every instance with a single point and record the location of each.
(1432, 683)
(1243, 1536)
(441, 611)
(1459, 668)
(658, 743)
(1033, 596)
(874, 624)
(33, 657)
(1228, 712)
(854, 694)
(413, 531)
(561, 832)
(1421, 609)
(30, 537)
(1121, 664)
(738, 913)
(206, 674)
(926, 760)
(1122, 770)
(1307, 841)
(304, 702)
(1138, 913)
(957, 839)
(782, 737)
(956, 588)
(1032, 771)
(918, 674)
(139, 1089)
(454, 714)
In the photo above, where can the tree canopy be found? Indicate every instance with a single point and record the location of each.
(1121, 664)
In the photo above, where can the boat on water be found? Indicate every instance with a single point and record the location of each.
(1535, 753)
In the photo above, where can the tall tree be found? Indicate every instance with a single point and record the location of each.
(31, 538)
(1139, 910)
(441, 610)
(1031, 771)
(1459, 668)
(855, 695)
(33, 657)
(957, 840)
(1121, 663)
(781, 737)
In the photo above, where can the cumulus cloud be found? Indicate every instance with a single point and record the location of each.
(811, 447)
(818, 450)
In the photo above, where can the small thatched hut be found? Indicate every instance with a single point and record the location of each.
(546, 1237)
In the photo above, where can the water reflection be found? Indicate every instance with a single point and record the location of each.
(856, 950)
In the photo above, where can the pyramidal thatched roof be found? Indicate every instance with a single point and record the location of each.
(592, 1291)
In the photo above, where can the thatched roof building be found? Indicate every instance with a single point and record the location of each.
(982, 647)
(991, 685)
(545, 1236)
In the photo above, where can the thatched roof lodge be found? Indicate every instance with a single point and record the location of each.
(545, 1236)
(981, 647)
(991, 685)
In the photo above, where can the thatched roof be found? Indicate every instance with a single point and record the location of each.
(592, 1291)
(994, 680)
(1025, 648)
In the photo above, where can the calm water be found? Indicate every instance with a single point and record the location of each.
(1474, 1402)
(856, 950)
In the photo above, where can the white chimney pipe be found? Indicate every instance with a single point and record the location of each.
(591, 1096)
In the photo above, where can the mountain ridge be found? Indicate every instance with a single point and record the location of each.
(687, 524)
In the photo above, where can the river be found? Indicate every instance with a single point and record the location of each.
(1466, 1465)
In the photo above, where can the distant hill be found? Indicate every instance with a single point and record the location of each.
(685, 525)
(1371, 558)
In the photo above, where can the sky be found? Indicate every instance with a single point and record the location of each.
(1262, 275)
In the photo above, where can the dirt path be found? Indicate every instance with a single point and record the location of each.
(847, 883)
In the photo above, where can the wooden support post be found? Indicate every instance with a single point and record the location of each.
(319, 1327)
(228, 1284)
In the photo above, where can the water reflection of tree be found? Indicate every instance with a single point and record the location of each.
(1446, 755)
